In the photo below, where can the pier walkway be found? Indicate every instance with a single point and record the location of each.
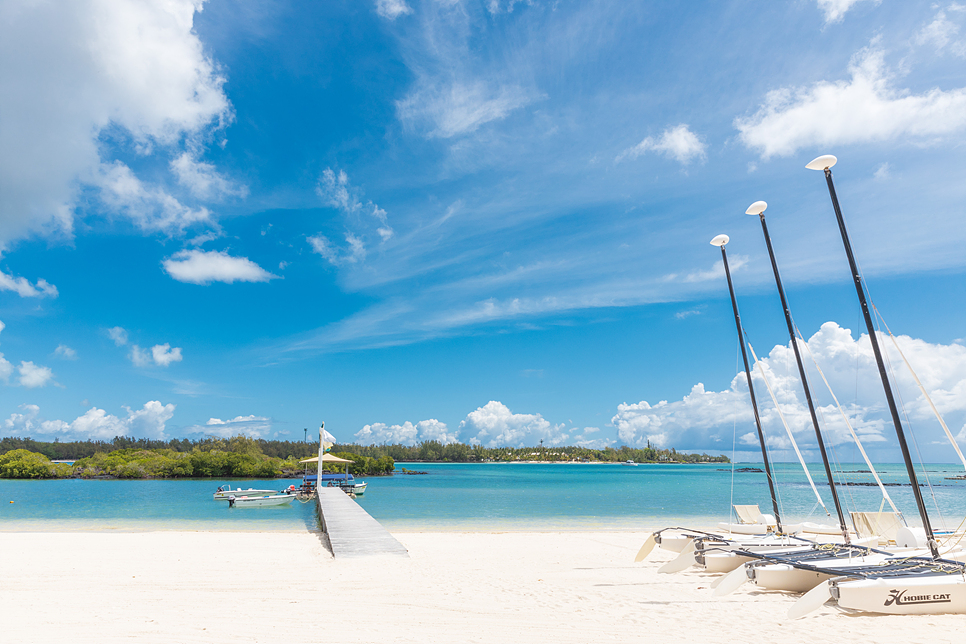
(352, 532)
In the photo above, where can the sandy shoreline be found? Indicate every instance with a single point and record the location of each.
(455, 587)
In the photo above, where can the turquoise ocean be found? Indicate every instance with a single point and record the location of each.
(483, 496)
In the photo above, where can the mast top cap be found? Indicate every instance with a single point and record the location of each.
(823, 162)
(756, 208)
(720, 240)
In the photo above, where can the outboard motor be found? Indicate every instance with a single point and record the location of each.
(231, 501)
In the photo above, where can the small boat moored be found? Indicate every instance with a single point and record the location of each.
(260, 501)
(225, 491)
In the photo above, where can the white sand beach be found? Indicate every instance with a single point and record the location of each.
(455, 587)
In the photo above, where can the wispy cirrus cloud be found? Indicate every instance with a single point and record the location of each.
(835, 10)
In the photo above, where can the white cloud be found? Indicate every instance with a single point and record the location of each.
(706, 419)
(151, 208)
(834, 10)
(405, 434)
(32, 376)
(96, 424)
(251, 426)
(203, 179)
(392, 9)
(6, 369)
(458, 109)
(864, 109)
(22, 287)
(495, 425)
(882, 173)
(139, 356)
(135, 67)
(119, 336)
(65, 352)
(203, 267)
(678, 143)
(161, 355)
(164, 355)
(362, 219)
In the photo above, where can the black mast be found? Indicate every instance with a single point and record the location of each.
(801, 367)
(721, 240)
(825, 163)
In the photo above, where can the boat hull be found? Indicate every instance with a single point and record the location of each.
(223, 495)
(897, 596)
(261, 501)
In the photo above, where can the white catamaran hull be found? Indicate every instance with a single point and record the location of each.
(898, 596)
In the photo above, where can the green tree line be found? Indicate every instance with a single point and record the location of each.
(240, 456)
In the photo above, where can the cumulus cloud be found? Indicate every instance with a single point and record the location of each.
(6, 369)
(863, 109)
(251, 426)
(64, 352)
(119, 335)
(96, 424)
(460, 108)
(392, 9)
(834, 10)
(204, 267)
(164, 355)
(678, 143)
(22, 286)
(495, 425)
(406, 434)
(708, 419)
(161, 355)
(135, 68)
(32, 376)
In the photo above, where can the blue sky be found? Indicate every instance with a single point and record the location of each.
(483, 221)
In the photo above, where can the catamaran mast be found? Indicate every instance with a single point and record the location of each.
(758, 208)
(720, 241)
(825, 163)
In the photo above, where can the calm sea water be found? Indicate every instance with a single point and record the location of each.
(495, 496)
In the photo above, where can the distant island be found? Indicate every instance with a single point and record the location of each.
(242, 457)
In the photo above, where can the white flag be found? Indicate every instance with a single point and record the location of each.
(327, 439)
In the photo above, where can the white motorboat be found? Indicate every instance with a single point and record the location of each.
(225, 491)
(629, 463)
(260, 501)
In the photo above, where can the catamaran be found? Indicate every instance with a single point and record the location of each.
(917, 585)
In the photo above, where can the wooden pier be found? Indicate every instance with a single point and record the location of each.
(352, 532)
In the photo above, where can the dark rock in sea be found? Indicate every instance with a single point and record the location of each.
(743, 469)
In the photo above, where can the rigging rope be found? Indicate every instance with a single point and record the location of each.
(788, 430)
(858, 443)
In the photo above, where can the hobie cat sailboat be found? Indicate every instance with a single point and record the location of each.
(924, 585)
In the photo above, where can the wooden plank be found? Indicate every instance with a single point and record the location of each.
(352, 531)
